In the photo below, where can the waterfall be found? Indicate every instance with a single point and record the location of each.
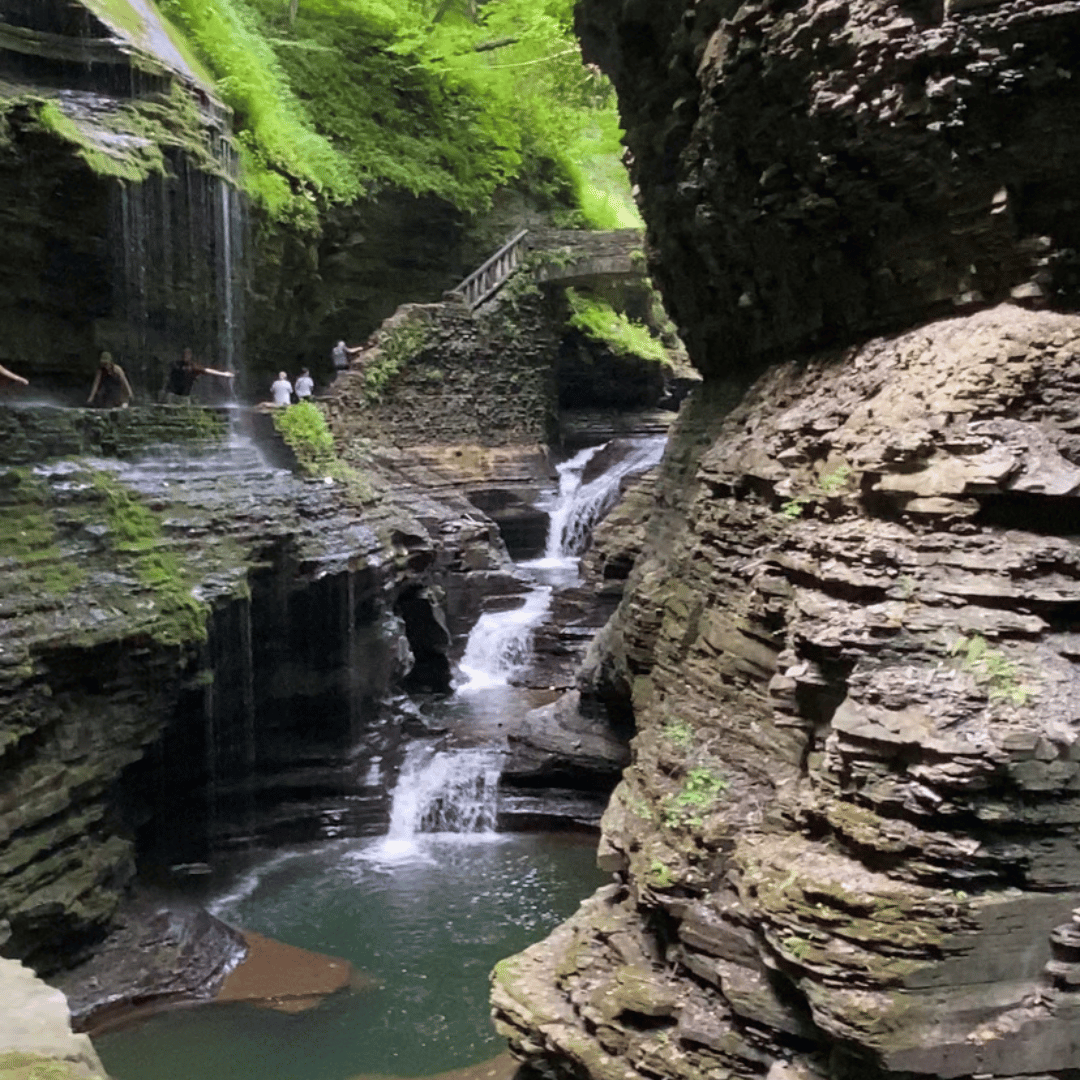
(177, 277)
(443, 791)
(499, 643)
(579, 506)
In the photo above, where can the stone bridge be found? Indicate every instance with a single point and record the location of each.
(565, 256)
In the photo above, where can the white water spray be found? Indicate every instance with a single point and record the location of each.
(500, 642)
(443, 791)
(580, 506)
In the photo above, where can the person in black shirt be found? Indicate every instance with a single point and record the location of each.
(182, 375)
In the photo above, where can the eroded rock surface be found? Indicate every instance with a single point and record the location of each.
(815, 172)
(847, 844)
(149, 610)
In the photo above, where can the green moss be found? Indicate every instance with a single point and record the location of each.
(660, 875)
(598, 320)
(28, 536)
(16, 1065)
(505, 971)
(135, 529)
(135, 162)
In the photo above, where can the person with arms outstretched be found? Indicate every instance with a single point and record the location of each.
(182, 375)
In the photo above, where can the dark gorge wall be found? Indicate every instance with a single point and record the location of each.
(811, 173)
(847, 842)
(123, 222)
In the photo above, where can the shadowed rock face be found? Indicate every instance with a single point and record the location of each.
(848, 837)
(846, 845)
(814, 172)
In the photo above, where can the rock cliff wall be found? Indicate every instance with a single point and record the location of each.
(846, 845)
(192, 647)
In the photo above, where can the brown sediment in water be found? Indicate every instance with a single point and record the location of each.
(503, 1067)
(279, 976)
(273, 975)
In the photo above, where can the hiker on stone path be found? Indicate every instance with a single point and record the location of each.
(5, 374)
(182, 375)
(341, 354)
(304, 385)
(111, 388)
(281, 389)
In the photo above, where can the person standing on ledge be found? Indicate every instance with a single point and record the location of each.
(111, 387)
(304, 385)
(182, 375)
(342, 354)
(281, 389)
(5, 374)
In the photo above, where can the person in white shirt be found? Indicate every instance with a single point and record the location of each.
(281, 389)
(304, 385)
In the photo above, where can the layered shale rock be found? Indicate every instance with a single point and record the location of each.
(150, 610)
(813, 172)
(848, 840)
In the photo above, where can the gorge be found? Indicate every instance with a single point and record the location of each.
(842, 636)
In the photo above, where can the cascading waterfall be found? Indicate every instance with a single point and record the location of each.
(454, 790)
(580, 506)
(499, 644)
(178, 275)
(443, 791)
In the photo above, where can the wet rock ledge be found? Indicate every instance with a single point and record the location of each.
(150, 609)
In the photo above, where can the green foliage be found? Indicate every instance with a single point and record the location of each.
(304, 428)
(680, 733)
(700, 790)
(354, 95)
(396, 348)
(599, 320)
(286, 163)
(999, 675)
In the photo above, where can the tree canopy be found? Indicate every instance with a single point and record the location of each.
(335, 99)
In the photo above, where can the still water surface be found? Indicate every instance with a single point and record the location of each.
(426, 921)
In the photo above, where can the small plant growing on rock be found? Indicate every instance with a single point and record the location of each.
(992, 669)
(828, 484)
(700, 790)
(679, 733)
(660, 875)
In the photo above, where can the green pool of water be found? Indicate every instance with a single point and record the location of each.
(427, 920)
